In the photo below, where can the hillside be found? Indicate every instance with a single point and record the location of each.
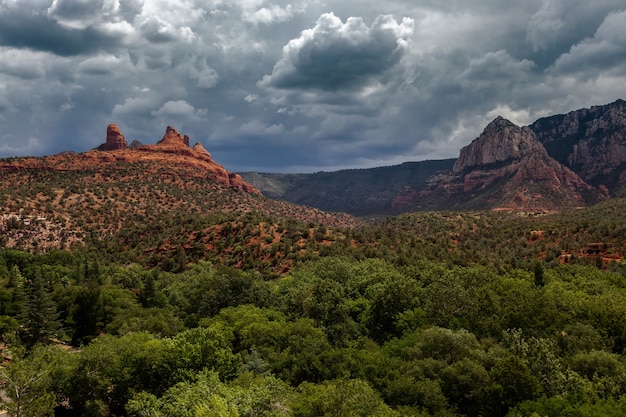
(558, 162)
(436, 314)
(170, 204)
(360, 192)
(152, 198)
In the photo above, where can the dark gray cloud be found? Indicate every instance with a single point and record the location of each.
(295, 85)
(336, 55)
(606, 49)
(21, 27)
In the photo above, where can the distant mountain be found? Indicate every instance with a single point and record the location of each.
(506, 167)
(592, 142)
(558, 162)
(361, 192)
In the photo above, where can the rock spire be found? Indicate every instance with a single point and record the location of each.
(115, 140)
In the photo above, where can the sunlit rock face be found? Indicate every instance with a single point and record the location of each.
(114, 140)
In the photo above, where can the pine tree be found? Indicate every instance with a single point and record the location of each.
(539, 278)
(18, 296)
(149, 296)
(86, 314)
(40, 317)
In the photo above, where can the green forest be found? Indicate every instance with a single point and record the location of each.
(425, 314)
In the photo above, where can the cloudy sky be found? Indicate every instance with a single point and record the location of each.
(300, 86)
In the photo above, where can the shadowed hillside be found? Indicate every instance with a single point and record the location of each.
(361, 192)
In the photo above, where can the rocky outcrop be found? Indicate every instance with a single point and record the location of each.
(565, 160)
(501, 141)
(506, 166)
(175, 143)
(171, 142)
(115, 140)
(202, 152)
(172, 137)
(592, 142)
(172, 152)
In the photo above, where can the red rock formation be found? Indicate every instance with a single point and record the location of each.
(501, 141)
(115, 140)
(202, 152)
(506, 166)
(171, 142)
(171, 151)
(592, 142)
(171, 137)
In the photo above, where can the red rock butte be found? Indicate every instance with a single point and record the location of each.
(173, 150)
(115, 140)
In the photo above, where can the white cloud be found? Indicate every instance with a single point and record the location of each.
(122, 28)
(199, 71)
(105, 65)
(259, 128)
(495, 70)
(22, 64)
(271, 14)
(156, 29)
(178, 109)
(76, 14)
(136, 106)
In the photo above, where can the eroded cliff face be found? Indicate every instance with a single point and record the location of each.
(501, 141)
(592, 142)
(507, 167)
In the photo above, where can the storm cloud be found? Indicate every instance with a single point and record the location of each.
(287, 85)
(335, 55)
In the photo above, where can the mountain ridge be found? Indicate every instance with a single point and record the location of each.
(592, 142)
(557, 162)
(509, 166)
(488, 174)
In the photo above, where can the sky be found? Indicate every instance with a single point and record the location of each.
(300, 86)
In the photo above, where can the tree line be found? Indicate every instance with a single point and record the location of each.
(336, 336)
